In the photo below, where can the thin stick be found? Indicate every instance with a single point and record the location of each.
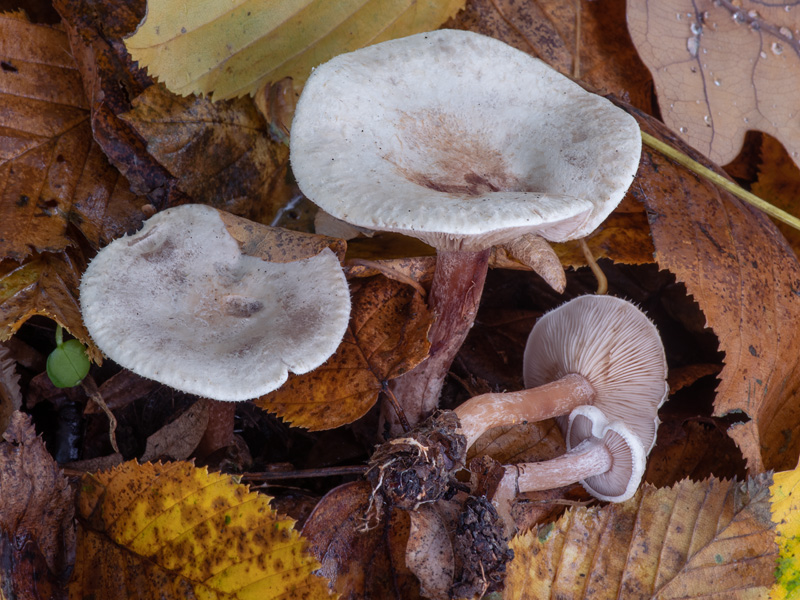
(90, 387)
(401, 415)
(305, 473)
(726, 184)
(602, 281)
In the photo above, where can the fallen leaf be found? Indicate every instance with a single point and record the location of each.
(45, 284)
(220, 153)
(785, 496)
(607, 59)
(386, 337)
(37, 534)
(361, 564)
(429, 553)
(722, 68)
(531, 442)
(779, 184)
(176, 531)
(53, 173)
(710, 539)
(746, 280)
(231, 49)
(10, 392)
(178, 439)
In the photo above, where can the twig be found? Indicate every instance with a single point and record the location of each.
(602, 281)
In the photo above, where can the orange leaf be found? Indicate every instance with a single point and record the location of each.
(387, 336)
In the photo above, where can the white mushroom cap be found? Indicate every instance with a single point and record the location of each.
(179, 303)
(460, 140)
(628, 457)
(611, 343)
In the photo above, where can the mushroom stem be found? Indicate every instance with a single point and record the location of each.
(560, 397)
(454, 298)
(589, 458)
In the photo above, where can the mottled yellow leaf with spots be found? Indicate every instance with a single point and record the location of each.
(230, 48)
(785, 492)
(176, 531)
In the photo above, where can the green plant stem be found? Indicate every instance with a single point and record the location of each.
(721, 181)
(59, 335)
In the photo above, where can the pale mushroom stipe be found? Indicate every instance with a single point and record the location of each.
(463, 142)
(596, 350)
(178, 302)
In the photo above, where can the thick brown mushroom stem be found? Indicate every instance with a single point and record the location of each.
(454, 299)
(560, 397)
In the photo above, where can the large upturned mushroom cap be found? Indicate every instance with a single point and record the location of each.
(179, 303)
(460, 140)
(611, 343)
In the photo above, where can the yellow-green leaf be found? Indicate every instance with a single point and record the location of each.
(232, 47)
(785, 492)
(176, 531)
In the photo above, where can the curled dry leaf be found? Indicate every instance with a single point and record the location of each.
(361, 563)
(178, 439)
(722, 67)
(710, 539)
(746, 280)
(779, 183)
(429, 553)
(45, 284)
(176, 531)
(219, 152)
(386, 337)
(231, 49)
(53, 173)
(37, 534)
(10, 393)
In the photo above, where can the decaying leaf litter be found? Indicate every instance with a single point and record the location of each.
(714, 275)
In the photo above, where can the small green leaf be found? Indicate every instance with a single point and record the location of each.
(68, 364)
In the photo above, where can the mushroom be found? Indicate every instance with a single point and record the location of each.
(463, 142)
(606, 457)
(180, 303)
(592, 350)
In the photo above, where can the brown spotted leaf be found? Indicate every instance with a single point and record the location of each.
(37, 533)
(746, 280)
(722, 67)
(44, 284)
(52, 173)
(220, 153)
(386, 337)
(176, 531)
(361, 563)
(711, 539)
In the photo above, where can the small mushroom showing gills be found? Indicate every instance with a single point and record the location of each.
(609, 461)
(463, 142)
(178, 302)
(596, 350)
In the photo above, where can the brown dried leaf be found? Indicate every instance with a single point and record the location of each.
(220, 152)
(746, 280)
(274, 244)
(37, 534)
(178, 439)
(779, 184)
(361, 565)
(546, 29)
(10, 393)
(722, 67)
(386, 337)
(712, 539)
(45, 284)
(429, 553)
(531, 442)
(53, 174)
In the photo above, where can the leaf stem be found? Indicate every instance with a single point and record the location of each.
(59, 334)
(721, 181)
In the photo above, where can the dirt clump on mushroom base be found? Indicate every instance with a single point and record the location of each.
(408, 471)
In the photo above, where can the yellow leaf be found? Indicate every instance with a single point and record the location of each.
(785, 492)
(709, 539)
(233, 47)
(176, 531)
